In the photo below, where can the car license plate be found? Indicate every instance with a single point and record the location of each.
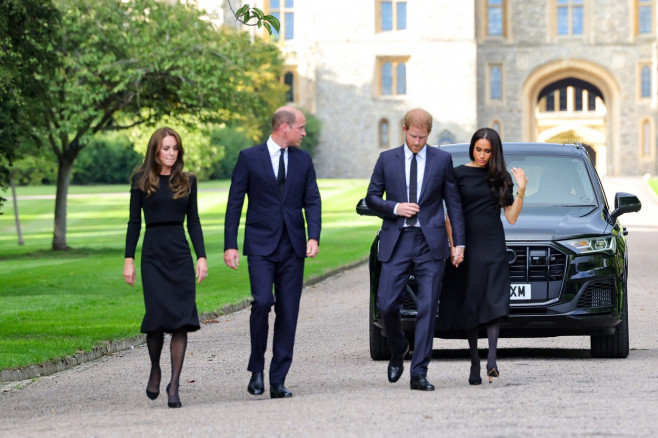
(519, 292)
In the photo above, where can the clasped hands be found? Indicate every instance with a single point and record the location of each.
(407, 209)
(456, 255)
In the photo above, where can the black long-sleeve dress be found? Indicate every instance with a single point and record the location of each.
(168, 276)
(477, 291)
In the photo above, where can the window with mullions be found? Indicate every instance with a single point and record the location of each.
(495, 18)
(644, 16)
(284, 11)
(391, 15)
(570, 17)
(384, 133)
(392, 76)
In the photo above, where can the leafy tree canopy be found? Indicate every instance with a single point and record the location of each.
(132, 62)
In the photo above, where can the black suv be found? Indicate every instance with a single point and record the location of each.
(567, 255)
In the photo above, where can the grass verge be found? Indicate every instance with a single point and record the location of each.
(55, 304)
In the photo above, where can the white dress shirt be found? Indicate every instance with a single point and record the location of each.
(420, 173)
(275, 154)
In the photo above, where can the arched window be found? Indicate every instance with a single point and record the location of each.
(495, 125)
(289, 81)
(446, 137)
(384, 133)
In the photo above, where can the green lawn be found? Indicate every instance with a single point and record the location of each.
(57, 303)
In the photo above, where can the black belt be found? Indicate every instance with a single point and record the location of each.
(164, 224)
(410, 228)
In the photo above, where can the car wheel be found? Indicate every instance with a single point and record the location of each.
(613, 346)
(378, 343)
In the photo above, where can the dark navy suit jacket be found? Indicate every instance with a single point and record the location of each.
(439, 185)
(269, 211)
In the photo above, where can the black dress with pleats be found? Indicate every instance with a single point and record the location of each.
(167, 268)
(477, 291)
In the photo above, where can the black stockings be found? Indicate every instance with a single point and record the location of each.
(154, 341)
(493, 330)
(472, 335)
(177, 347)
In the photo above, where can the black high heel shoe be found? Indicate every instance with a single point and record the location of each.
(474, 378)
(153, 394)
(171, 404)
(492, 372)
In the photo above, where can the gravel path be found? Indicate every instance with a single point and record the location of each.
(548, 387)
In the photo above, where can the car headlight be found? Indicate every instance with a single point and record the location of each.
(591, 245)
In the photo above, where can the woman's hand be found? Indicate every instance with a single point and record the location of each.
(201, 269)
(129, 271)
(521, 179)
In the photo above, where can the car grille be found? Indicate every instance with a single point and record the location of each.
(598, 294)
(536, 263)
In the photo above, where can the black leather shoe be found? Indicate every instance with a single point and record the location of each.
(395, 365)
(420, 383)
(256, 385)
(279, 391)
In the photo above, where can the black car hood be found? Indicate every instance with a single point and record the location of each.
(544, 223)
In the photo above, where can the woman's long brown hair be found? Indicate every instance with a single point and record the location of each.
(499, 179)
(147, 176)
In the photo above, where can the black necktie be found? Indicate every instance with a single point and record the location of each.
(413, 186)
(281, 177)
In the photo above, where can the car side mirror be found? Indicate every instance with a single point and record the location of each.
(363, 210)
(625, 203)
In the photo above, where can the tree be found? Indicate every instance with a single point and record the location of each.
(26, 29)
(131, 62)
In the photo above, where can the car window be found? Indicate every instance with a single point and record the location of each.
(554, 180)
(551, 180)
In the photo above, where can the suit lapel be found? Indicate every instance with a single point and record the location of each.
(267, 160)
(401, 173)
(429, 168)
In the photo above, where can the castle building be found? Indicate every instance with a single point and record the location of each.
(565, 71)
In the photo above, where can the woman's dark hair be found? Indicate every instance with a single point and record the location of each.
(499, 179)
(147, 176)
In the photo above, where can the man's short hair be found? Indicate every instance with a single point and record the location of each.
(418, 117)
(282, 116)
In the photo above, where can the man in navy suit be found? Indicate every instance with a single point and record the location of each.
(279, 179)
(417, 180)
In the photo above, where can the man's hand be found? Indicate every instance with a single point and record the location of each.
(457, 253)
(312, 248)
(232, 258)
(407, 209)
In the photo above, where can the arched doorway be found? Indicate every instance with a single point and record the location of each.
(574, 101)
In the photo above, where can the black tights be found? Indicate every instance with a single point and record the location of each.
(493, 331)
(154, 342)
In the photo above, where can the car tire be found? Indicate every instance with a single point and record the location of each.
(614, 346)
(378, 343)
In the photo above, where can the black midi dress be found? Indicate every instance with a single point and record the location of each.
(477, 291)
(168, 276)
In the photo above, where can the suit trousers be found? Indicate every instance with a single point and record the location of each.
(411, 256)
(285, 271)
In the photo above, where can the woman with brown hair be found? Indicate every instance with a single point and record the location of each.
(168, 195)
(476, 293)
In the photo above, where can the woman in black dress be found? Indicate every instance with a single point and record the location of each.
(477, 291)
(167, 195)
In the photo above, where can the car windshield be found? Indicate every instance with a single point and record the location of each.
(552, 180)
